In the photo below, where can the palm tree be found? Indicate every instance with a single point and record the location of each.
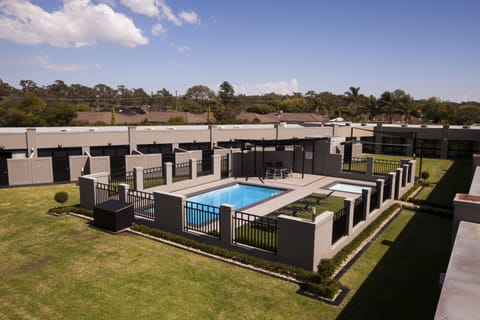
(387, 104)
(353, 97)
(372, 107)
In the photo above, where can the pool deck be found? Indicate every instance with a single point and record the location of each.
(298, 188)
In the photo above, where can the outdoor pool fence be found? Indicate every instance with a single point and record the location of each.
(224, 167)
(340, 224)
(143, 203)
(181, 170)
(384, 167)
(202, 218)
(358, 211)
(204, 167)
(353, 164)
(153, 177)
(256, 231)
(387, 188)
(127, 178)
(373, 200)
(105, 192)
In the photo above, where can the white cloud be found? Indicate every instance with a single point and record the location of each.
(281, 87)
(44, 62)
(189, 17)
(145, 7)
(158, 29)
(78, 23)
(160, 9)
(166, 12)
(183, 49)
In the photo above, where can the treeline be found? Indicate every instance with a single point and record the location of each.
(57, 104)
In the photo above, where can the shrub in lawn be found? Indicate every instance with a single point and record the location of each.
(425, 175)
(61, 197)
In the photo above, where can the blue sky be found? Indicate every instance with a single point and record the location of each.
(425, 47)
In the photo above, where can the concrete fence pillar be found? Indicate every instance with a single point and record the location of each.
(217, 165)
(167, 167)
(296, 241)
(413, 170)
(123, 192)
(398, 182)
(169, 211)
(349, 206)
(369, 169)
(88, 191)
(138, 178)
(193, 168)
(393, 178)
(366, 194)
(226, 224)
(379, 183)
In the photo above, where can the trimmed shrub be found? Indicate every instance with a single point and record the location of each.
(425, 175)
(327, 290)
(61, 197)
(326, 268)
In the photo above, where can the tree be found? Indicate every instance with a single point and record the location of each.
(28, 86)
(353, 98)
(434, 110)
(200, 94)
(226, 92)
(387, 104)
(372, 107)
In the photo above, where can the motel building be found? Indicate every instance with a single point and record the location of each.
(60, 154)
(162, 174)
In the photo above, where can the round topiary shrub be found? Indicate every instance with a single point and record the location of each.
(425, 175)
(61, 197)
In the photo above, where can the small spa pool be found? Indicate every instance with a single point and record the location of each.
(348, 187)
(240, 195)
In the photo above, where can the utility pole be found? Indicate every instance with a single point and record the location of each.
(176, 101)
(98, 104)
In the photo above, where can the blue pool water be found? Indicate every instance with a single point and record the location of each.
(239, 195)
(347, 187)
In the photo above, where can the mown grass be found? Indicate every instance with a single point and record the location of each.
(60, 267)
(446, 178)
(303, 208)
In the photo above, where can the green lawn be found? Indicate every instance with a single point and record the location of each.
(447, 178)
(303, 207)
(61, 268)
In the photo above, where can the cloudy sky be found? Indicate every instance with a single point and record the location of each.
(425, 47)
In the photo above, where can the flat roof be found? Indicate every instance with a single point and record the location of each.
(460, 294)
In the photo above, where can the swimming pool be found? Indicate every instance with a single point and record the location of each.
(239, 195)
(348, 187)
